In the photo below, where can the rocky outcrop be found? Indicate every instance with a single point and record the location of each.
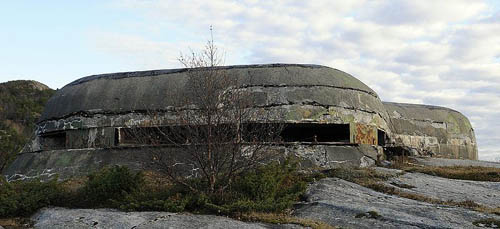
(480, 192)
(334, 201)
(54, 218)
(330, 200)
(342, 203)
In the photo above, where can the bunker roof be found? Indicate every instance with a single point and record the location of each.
(158, 89)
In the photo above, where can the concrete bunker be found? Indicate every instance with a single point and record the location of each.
(424, 129)
(330, 119)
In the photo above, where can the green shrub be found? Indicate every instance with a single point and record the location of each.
(145, 199)
(270, 188)
(24, 198)
(109, 186)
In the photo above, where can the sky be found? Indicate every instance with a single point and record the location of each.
(438, 52)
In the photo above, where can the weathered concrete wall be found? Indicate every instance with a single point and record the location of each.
(305, 92)
(442, 131)
(77, 162)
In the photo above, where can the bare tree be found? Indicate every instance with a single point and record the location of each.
(216, 130)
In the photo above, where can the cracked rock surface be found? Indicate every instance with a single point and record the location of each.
(481, 192)
(348, 205)
(108, 218)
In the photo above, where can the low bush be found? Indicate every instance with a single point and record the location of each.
(101, 189)
(24, 198)
(272, 188)
(109, 185)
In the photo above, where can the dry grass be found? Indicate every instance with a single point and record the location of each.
(473, 173)
(400, 162)
(16, 223)
(489, 210)
(402, 185)
(380, 187)
(359, 175)
(283, 219)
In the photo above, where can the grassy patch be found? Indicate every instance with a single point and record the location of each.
(473, 173)
(380, 187)
(274, 218)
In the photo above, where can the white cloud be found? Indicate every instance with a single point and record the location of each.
(429, 51)
(140, 52)
(427, 12)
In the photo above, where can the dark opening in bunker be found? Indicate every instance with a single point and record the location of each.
(174, 135)
(54, 140)
(315, 132)
(250, 132)
(150, 136)
(381, 137)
